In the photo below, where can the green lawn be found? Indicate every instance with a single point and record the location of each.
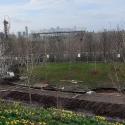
(88, 73)
(18, 114)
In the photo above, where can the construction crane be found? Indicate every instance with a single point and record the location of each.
(4, 64)
(6, 23)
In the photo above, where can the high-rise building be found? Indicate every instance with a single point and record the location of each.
(26, 31)
(19, 34)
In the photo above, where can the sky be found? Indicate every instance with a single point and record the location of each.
(84, 14)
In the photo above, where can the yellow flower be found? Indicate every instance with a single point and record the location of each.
(100, 118)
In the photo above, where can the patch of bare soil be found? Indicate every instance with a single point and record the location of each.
(98, 104)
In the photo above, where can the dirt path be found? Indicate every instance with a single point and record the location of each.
(107, 104)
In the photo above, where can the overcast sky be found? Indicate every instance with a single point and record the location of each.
(40, 14)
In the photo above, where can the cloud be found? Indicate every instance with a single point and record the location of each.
(49, 13)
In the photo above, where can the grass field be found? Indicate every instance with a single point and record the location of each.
(89, 73)
(17, 114)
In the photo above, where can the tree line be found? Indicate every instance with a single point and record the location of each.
(105, 46)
